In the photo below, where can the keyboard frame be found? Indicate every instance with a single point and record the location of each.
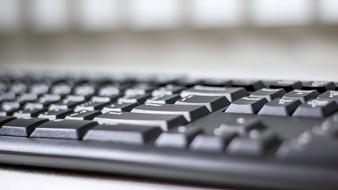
(166, 164)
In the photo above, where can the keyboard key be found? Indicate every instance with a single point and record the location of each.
(248, 105)
(35, 105)
(316, 108)
(84, 90)
(280, 107)
(268, 93)
(83, 115)
(164, 121)
(27, 98)
(179, 138)
(39, 88)
(213, 103)
(63, 129)
(254, 144)
(50, 98)
(249, 85)
(110, 90)
(8, 108)
(163, 99)
(112, 98)
(140, 99)
(119, 107)
(64, 105)
(8, 96)
(61, 89)
(167, 90)
(91, 106)
(28, 113)
(329, 95)
(230, 93)
(5, 119)
(320, 86)
(55, 114)
(18, 88)
(212, 143)
(21, 127)
(139, 90)
(302, 95)
(190, 112)
(287, 85)
(121, 133)
(240, 126)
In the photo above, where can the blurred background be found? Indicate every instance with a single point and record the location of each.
(227, 38)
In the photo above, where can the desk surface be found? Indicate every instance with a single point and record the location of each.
(13, 177)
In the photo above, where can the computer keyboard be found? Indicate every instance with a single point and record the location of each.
(230, 133)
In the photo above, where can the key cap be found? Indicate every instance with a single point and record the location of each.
(63, 105)
(164, 121)
(211, 143)
(230, 93)
(61, 89)
(164, 99)
(168, 90)
(302, 95)
(240, 126)
(28, 113)
(18, 88)
(83, 115)
(5, 119)
(140, 99)
(178, 138)
(27, 98)
(329, 95)
(139, 89)
(190, 112)
(75, 98)
(110, 90)
(248, 105)
(63, 129)
(35, 105)
(8, 108)
(254, 144)
(91, 106)
(55, 114)
(287, 85)
(122, 133)
(84, 90)
(39, 88)
(268, 93)
(119, 107)
(213, 103)
(320, 86)
(316, 108)
(280, 107)
(8, 96)
(249, 85)
(112, 98)
(21, 127)
(50, 98)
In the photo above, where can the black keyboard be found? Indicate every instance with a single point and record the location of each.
(230, 133)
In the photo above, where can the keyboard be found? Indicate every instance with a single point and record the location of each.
(217, 132)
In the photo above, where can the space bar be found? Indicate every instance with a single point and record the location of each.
(166, 122)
